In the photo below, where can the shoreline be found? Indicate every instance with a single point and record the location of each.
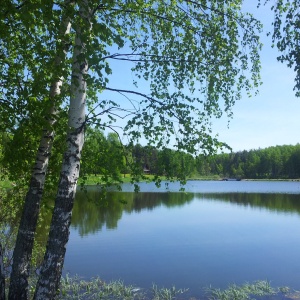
(93, 180)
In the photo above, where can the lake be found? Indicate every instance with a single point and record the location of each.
(216, 233)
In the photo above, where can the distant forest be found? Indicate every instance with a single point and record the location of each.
(278, 162)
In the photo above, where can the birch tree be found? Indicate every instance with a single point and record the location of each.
(59, 232)
(195, 57)
(171, 44)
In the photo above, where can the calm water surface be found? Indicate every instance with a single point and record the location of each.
(215, 234)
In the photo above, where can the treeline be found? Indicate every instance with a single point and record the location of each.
(106, 156)
(278, 162)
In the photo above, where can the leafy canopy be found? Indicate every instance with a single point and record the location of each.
(286, 35)
(190, 61)
(196, 57)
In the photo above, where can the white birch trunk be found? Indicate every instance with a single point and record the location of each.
(51, 270)
(18, 289)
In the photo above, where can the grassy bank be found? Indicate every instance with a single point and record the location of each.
(97, 179)
(76, 288)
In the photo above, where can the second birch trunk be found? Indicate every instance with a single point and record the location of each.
(19, 289)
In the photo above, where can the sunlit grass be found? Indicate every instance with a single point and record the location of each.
(165, 293)
(257, 290)
(126, 178)
(75, 288)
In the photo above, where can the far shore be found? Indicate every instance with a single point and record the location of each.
(94, 180)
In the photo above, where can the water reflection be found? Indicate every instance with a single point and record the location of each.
(91, 213)
(190, 240)
(288, 203)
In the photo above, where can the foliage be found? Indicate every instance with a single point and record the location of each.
(36, 61)
(286, 35)
(4, 139)
(103, 155)
(194, 57)
(106, 158)
(28, 60)
(30, 38)
(11, 204)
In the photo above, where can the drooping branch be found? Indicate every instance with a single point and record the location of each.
(153, 58)
(135, 93)
(110, 112)
(151, 13)
(170, 110)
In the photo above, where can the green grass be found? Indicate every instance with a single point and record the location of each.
(76, 288)
(97, 179)
(198, 177)
(257, 290)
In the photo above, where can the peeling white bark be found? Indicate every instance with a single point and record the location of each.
(51, 270)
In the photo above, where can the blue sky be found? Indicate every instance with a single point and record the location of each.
(271, 118)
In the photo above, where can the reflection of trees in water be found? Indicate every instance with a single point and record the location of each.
(289, 203)
(91, 212)
(151, 200)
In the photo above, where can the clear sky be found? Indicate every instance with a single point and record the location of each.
(268, 119)
(272, 117)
